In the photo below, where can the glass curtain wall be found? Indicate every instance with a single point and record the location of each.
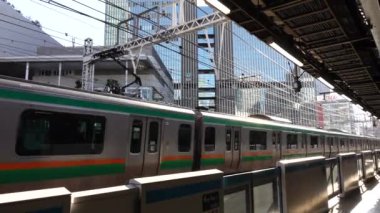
(114, 15)
(265, 82)
(224, 68)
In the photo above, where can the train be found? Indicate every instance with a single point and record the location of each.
(61, 137)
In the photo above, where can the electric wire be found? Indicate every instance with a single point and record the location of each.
(180, 53)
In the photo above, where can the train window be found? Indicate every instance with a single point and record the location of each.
(313, 142)
(352, 142)
(136, 136)
(153, 137)
(56, 133)
(237, 140)
(257, 140)
(210, 139)
(342, 143)
(360, 144)
(184, 138)
(228, 139)
(291, 141)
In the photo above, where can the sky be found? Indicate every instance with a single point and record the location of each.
(66, 22)
(76, 26)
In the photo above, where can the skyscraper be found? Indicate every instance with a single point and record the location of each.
(224, 67)
(114, 15)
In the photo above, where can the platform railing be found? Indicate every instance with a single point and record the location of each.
(332, 176)
(360, 165)
(255, 191)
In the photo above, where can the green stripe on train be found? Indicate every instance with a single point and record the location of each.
(212, 161)
(26, 175)
(257, 158)
(177, 164)
(29, 96)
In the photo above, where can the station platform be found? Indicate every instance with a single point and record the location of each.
(365, 199)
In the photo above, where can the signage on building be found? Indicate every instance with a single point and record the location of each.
(320, 119)
(330, 97)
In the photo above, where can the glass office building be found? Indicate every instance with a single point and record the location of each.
(114, 15)
(224, 68)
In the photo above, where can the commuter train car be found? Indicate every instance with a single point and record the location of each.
(54, 137)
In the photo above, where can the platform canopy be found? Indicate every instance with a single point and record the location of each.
(332, 39)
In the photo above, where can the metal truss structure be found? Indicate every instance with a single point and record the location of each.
(127, 48)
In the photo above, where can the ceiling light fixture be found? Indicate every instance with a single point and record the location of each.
(347, 98)
(323, 81)
(286, 54)
(219, 6)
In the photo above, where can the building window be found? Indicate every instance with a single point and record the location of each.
(209, 139)
(257, 140)
(292, 142)
(137, 128)
(56, 133)
(184, 138)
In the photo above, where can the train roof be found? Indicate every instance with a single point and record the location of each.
(35, 92)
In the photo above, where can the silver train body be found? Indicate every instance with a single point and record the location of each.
(52, 137)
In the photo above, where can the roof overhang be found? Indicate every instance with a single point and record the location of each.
(332, 38)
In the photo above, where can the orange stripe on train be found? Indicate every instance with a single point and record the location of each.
(52, 164)
(208, 156)
(256, 153)
(178, 157)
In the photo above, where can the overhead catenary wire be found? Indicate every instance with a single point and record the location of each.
(56, 11)
(30, 23)
(195, 59)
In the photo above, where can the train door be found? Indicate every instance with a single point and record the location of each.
(236, 141)
(152, 147)
(145, 134)
(323, 144)
(304, 145)
(228, 151)
(329, 147)
(136, 145)
(276, 143)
